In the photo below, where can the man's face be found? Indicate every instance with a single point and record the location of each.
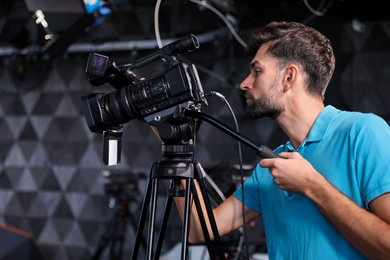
(262, 87)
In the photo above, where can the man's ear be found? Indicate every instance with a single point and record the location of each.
(290, 76)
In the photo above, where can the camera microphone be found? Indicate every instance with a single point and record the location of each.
(185, 44)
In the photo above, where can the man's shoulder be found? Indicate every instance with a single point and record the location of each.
(356, 123)
(357, 118)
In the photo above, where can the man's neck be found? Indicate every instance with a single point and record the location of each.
(297, 121)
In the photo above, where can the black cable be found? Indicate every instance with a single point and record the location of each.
(241, 173)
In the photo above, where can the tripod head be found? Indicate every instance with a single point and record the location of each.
(177, 132)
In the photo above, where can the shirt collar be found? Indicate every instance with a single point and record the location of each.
(321, 124)
(319, 128)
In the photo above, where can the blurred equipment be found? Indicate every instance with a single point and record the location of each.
(17, 244)
(42, 27)
(123, 191)
(63, 23)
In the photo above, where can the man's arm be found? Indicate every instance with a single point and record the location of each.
(368, 232)
(228, 217)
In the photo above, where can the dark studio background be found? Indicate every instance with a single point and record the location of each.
(51, 182)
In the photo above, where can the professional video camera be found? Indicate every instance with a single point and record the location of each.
(155, 98)
(168, 99)
(139, 96)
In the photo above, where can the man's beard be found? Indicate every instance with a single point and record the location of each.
(266, 106)
(263, 107)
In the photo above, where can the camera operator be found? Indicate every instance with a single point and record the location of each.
(329, 197)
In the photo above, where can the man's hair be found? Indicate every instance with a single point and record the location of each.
(292, 42)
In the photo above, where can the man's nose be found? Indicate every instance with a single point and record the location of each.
(246, 83)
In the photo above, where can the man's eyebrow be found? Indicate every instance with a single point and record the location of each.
(253, 63)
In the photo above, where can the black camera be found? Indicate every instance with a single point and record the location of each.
(138, 95)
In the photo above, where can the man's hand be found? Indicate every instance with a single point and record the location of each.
(293, 173)
(368, 232)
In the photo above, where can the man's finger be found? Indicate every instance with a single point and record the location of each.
(266, 163)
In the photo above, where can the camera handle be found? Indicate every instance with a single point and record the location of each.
(176, 170)
(262, 150)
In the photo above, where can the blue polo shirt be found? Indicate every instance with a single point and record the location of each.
(350, 149)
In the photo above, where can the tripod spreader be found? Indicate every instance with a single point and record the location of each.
(261, 150)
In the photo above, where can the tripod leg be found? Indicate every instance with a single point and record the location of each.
(214, 228)
(141, 221)
(199, 175)
(186, 221)
(164, 222)
(152, 218)
(202, 221)
(133, 223)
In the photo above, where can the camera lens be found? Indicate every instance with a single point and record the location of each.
(119, 106)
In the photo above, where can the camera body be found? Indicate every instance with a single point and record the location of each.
(139, 97)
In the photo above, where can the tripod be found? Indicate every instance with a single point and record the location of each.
(176, 166)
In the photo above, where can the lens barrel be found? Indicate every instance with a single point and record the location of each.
(119, 106)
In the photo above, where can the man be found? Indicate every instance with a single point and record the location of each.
(329, 197)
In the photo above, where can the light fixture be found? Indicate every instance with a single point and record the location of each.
(40, 19)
